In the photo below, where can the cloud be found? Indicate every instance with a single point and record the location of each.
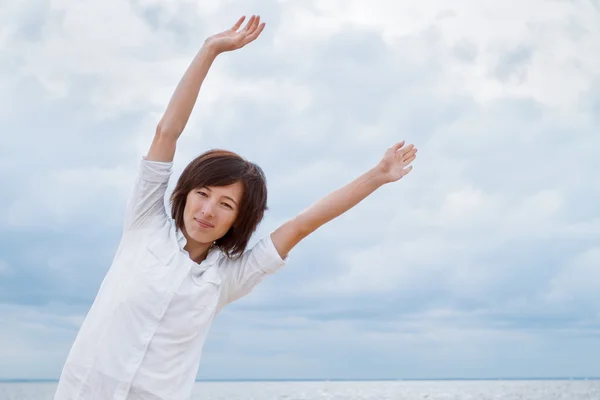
(513, 63)
(31, 331)
(465, 51)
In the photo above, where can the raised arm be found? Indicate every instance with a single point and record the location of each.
(392, 167)
(184, 98)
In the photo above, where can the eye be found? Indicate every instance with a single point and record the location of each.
(227, 205)
(201, 193)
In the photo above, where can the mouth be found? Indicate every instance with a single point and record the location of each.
(203, 223)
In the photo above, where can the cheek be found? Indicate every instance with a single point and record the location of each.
(227, 221)
(190, 206)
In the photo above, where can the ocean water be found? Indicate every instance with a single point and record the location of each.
(360, 390)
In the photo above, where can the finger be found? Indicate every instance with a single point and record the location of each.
(405, 150)
(255, 24)
(255, 34)
(409, 160)
(397, 146)
(407, 170)
(409, 154)
(238, 24)
(248, 24)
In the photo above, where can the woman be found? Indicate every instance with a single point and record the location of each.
(143, 336)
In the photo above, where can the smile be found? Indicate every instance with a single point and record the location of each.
(204, 224)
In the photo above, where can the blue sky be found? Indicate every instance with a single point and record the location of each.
(483, 262)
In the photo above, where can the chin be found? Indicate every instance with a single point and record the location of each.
(198, 236)
(201, 238)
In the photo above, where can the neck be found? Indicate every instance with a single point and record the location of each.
(197, 251)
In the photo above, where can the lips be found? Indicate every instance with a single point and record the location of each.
(203, 223)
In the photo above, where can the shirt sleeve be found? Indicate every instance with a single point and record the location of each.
(146, 205)
(240, 276)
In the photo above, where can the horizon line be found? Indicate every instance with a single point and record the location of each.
(557, 378)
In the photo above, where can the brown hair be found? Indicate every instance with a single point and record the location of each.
(221, 168)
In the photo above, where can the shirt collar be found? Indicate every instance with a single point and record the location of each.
(181, 240)
(213, 253)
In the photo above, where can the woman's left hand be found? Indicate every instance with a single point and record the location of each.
(395, 162)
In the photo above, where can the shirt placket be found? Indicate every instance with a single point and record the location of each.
(176, 281)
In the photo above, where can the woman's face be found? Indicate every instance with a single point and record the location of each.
(211, 211)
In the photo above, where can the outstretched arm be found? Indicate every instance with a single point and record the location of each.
(392, 167)
(183, 100)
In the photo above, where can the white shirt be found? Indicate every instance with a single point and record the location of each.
(143, 336)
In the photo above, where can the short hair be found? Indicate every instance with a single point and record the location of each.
(221, 168)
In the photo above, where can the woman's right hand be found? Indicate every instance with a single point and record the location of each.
(232, 39)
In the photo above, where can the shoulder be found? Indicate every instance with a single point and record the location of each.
(261, 256)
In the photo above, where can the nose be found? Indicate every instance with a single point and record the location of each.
(207, 209)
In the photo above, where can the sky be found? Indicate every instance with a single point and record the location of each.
(483, 262)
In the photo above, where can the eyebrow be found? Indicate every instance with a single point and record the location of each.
(227, 197)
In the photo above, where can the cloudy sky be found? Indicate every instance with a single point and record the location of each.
(483, 262)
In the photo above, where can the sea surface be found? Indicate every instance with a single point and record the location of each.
(360, 390)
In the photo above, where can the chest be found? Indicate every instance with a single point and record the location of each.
(192, 306)
(170, 283)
